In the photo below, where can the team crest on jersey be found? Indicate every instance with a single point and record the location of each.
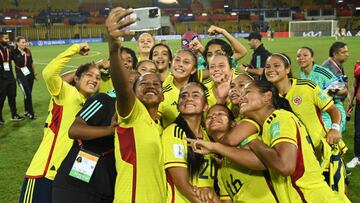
(297, 100)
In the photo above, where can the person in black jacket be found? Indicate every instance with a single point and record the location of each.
(93, 134)
(7, 80)
(25, 73)
(258, 59)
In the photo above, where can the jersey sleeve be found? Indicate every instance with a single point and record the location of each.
(51, 72)
(253, 136)
(283, 129)
(322, 100)
(174, 148)
(97, 109)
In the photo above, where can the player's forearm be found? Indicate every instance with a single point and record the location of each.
(272, 158)
(255, 71)
(120, 75)
(239, 49)
(342, 92)
(334, 114)
(80, 130)
(51, 72)
(243, 157)
(186, 189)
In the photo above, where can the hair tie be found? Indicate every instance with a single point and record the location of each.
(283, 56)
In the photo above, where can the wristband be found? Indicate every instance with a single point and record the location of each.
(335, 126)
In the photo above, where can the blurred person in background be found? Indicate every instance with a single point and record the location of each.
(7, 80)
(258, 59)
(355, 94)
(25, 73)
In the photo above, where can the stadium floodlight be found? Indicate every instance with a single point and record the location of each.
(340, 1)
(312, 28)
(189, 14)
(176, 15)
(7, 18)
(204, 14)
(8, 30)
(106, 9)
(357, 8)
(226, 6)
(24, 17)
(233, 14)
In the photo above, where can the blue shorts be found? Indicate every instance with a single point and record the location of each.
(37, 190)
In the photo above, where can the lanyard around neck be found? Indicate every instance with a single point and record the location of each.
(2, 55)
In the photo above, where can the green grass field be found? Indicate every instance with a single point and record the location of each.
(19, 140)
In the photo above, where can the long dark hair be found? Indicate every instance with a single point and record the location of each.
(194, 160)
(278, 102)
(224, 47)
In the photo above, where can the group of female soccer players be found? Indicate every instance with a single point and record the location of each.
(180, 134)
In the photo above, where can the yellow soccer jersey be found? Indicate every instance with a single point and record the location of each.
(308, 101)
(168, 108)
(139, 158)
(106, 86)
(306, 184)
(175, 153)
(62, 112)
(209, 84)
(243, 185)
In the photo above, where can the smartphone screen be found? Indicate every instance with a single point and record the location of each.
(148, 18)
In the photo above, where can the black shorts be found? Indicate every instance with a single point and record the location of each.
(36, 190)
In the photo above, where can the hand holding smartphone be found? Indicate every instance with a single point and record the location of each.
(148, 18)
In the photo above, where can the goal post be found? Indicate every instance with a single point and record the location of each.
(312, 28)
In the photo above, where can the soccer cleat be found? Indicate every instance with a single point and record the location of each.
(17, 118)
(351, 164)
(30, 116)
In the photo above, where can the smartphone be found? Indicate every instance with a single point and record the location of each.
(148, 18)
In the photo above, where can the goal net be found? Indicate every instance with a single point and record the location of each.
(312, 28)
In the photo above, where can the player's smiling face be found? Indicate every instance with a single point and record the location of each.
(192, 100)
(304, 58)
(145, 42)
(183, 65)
(252, 100)
(275, 70)
(219, 69)
(236, 87)
(161, 57)
(89, 81)
(148, 89)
